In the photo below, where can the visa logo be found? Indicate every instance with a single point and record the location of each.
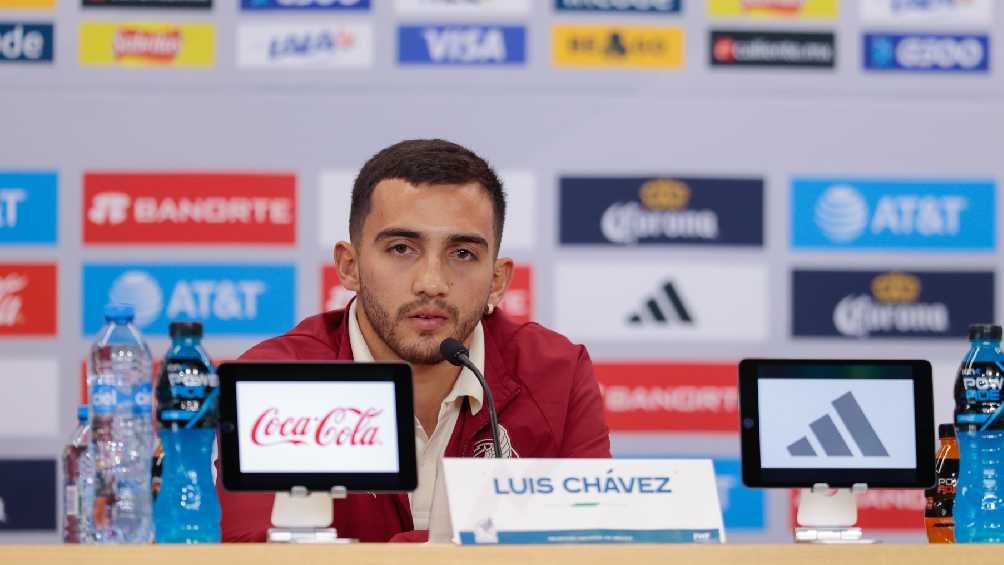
(28, 207)
(893, 214)
(227, 299)
(360, 5)
(652, 6)
(24, 42)
(462, 45)
(964, 53)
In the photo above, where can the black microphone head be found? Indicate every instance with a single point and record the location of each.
(451, 350)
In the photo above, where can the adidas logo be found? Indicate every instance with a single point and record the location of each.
(662, 306)
(832, 441)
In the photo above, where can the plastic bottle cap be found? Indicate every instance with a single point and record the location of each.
(82, 413)
(946, 430)
(984, 332)
(191, 329)
(119, 312)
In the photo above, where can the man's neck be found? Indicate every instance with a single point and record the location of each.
(432, 383)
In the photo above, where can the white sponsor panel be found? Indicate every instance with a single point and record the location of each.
(519, 231)
(310, 46)
(300, 427)
(464, 8)
(788, 408)
(910, 12)
(659, 301)
(35, 413)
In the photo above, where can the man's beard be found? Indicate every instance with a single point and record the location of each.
(417, 353)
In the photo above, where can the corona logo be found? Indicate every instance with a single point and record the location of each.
(896, 288)
(664, 194)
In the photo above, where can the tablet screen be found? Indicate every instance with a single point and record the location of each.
(837, 424)
(317, 427)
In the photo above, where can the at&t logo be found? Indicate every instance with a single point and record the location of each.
(843, 214)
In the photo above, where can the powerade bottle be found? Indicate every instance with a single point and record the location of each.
(187, 509)
(941, 497)
(979, 429)
(119, 380)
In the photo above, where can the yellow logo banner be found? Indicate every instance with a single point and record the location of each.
(147, 44)
(641, 47)
(777, 9)
(27, 4)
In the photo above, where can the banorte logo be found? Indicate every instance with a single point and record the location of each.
(340, 426)
(892, 306)
(661, 213)
(146, 45)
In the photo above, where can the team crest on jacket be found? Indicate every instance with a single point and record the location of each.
(483, 447)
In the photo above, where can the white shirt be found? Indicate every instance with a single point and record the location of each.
(430, 450)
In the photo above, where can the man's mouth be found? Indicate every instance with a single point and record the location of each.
(428, 320)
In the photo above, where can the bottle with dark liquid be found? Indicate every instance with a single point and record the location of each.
(941, 497)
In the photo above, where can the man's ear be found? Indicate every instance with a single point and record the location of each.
(500, 280)
(347, 263)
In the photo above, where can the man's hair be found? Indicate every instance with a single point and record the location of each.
(425, 161)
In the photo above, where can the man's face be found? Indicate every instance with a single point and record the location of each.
(425, 265)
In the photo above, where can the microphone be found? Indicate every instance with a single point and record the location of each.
(455, 352)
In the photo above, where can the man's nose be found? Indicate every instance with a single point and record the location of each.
(431, 279)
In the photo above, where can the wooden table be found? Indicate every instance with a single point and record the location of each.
(395, 554)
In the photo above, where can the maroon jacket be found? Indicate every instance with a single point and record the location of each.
(546, 395)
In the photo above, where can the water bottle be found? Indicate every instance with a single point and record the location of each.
(979, 429)
(187, 509)
(78, 482)
(119, 383)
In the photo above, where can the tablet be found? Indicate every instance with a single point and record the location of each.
(838, 422)
(317, 425)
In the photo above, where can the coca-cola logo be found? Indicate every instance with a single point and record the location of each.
(340, 426)
(10, 301)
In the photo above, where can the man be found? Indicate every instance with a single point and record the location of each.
(425, 229)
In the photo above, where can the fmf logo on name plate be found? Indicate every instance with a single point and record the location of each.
(143, 44)
(457, 44)
(360, 5)
(628, 46)
(927, 52)
(890, 510)
(231, 299)
(661, 210)
(655, 301)
(685, 397)
(29, 211)
(517, 302)
(838, 213)
(28, 299)
(193, 208)
(871, 304)
(462, 8)
(25, 42)
(912, 12)
(776, 9)
(305, 46)
(635, 6)
(741, 48)
(28, 495)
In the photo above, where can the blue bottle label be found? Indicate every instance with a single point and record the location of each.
(142, 396)
(104, 398)
(978, 396)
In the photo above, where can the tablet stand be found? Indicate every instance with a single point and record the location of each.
(828, 515)
(301, 516)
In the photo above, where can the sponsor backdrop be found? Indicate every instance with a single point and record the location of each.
(690, 182)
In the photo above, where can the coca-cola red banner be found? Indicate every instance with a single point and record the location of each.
(191, 208)
(28, 299)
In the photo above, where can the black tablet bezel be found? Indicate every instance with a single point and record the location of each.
(406, 479)
(754, 475)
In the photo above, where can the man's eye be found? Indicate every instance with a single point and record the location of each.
(465, 255)
(399, 249)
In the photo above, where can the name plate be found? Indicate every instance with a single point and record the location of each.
(534, 501)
